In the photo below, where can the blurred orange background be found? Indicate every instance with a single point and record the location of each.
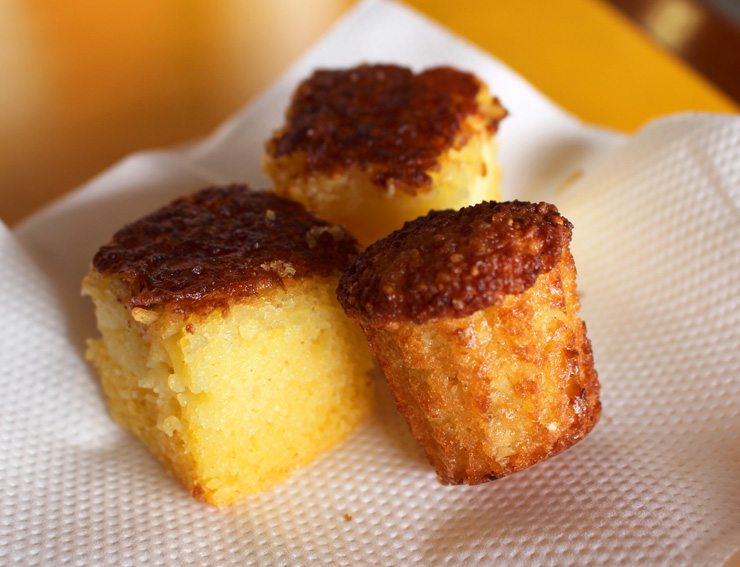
(84, 86)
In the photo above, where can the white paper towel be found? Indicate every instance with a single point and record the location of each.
(657, 245)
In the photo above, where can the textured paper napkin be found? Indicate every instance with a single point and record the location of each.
(657, 245)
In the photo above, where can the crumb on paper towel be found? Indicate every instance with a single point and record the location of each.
(348, 517)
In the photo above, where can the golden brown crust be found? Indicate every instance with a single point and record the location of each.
(219, 245)
(501, 390)
(453, 263)
(384, 118)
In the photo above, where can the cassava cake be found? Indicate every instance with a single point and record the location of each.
(223, 346)
(473, 315)
(377, 145)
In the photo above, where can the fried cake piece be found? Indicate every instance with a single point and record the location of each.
(375, 146)
(473, 315)
(223, 346)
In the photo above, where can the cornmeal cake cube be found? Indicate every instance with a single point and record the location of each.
(377, 145)
(473, 315)
(223, 346)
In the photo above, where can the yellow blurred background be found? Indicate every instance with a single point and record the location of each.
(84, 84)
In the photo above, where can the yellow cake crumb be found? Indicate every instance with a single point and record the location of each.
(403, 144)
(223, 346)
(245, 399)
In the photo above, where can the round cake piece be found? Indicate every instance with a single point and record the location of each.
(374, 146)
(473, 316)
(223, 346)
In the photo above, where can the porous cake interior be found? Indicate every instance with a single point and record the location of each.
(465, 176)
(235, 401)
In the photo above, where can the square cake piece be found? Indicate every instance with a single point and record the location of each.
(474, 318)
(223, 347)
(375, 146)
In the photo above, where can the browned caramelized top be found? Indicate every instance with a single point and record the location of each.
(382, 117)
(454, 263)
(219, 245)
